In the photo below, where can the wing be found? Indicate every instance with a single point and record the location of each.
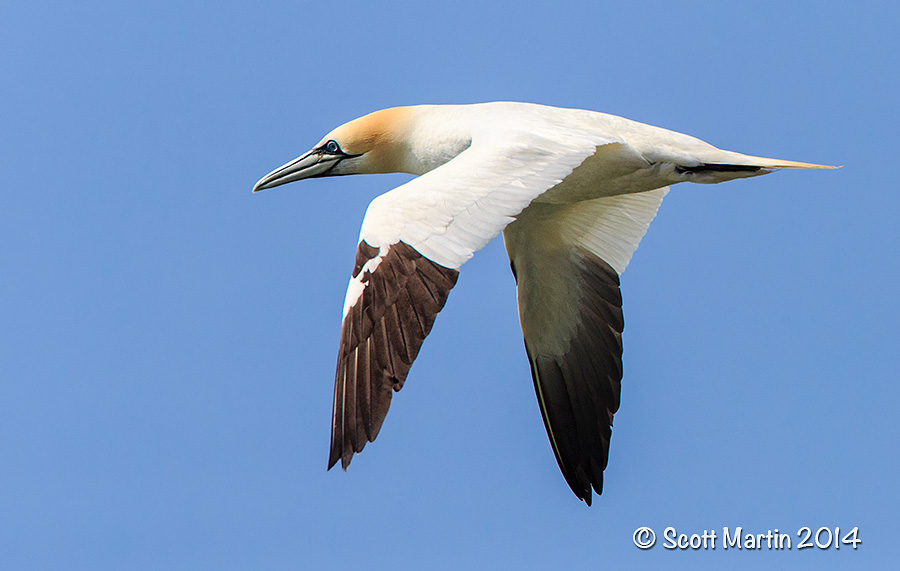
(412, 242)
(567, 260)
(380, 338)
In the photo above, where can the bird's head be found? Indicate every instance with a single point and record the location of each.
(373, 143)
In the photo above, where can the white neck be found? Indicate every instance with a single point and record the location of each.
(438, 133)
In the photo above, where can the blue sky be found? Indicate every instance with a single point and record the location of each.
(168, 339)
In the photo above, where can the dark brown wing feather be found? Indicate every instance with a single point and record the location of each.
(380, 338)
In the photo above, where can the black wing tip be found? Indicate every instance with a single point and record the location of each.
(582, 490)
(333, 457)
(331, 464)
(584, 494)
(344, 458)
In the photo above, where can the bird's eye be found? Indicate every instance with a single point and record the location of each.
(332, 147)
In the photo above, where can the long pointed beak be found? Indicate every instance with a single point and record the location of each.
(309, 165)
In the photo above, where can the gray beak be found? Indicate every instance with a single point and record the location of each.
(312, 164)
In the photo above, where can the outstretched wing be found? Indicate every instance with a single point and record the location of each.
(412, 243)
(567, 260)
(382, 332)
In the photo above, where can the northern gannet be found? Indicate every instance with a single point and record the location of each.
(573, 192)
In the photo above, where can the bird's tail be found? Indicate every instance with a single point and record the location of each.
(728, 165)
(772, 164)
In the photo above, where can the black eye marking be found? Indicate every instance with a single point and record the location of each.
(332, 149)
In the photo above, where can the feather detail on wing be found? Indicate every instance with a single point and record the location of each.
(566, 259)
(402, 292)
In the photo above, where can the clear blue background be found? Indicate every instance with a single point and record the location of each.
(167, 339)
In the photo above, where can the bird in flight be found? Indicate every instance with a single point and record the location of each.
(573, 192)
